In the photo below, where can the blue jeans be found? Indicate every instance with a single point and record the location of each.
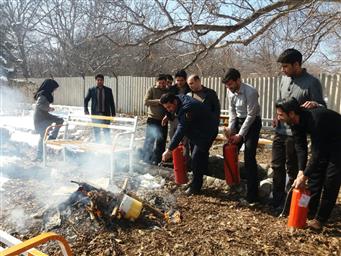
(155, 141)
(97, 131)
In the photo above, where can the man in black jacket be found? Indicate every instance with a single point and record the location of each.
(323, 171)
(206, 95)
(198, 124)
(102, 104)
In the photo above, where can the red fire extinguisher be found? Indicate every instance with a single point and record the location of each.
(230, 152)
(180, 167)
(299, 208)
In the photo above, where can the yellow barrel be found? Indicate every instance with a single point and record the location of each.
(130, 208)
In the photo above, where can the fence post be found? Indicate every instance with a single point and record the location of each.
(116, 89)
(83, 76)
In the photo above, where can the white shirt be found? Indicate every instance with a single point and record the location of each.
(243, 104)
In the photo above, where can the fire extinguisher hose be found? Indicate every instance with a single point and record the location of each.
(286, 202)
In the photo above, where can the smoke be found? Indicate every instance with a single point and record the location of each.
(2, 181)
(154, 132)
(90, 167)
(51, 186)
(18, 218)
(11, 99)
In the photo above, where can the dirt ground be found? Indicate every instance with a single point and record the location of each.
(213, 223)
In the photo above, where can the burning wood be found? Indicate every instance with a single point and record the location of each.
(106, 207)
(101, 202)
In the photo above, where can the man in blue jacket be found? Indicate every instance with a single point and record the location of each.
(102, 104)
(199, 125)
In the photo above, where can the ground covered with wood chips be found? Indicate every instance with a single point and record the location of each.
(213, 223)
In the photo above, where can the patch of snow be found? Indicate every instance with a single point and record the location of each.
(8, 160)
(149, 181)
(3, 59)
(3, 180)
(23, 122)
(29, 138)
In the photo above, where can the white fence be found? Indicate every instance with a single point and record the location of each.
(129, 91)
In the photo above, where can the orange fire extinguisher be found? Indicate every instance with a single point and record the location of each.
(180, 167)
(299, 208)
(230, 153)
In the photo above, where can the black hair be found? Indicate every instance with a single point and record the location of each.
(162, 77)
(288, 104)
(290, 56)
(99, 76)
(167, 98)
(46, 89)
(169, 77)
(196, 77)
(181, 73)
(231, 74)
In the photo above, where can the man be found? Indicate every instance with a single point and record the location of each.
(199, 126)
(205, 95)
(244, 126)
(102, 104)
(169, 80)
(156, 134)
(308, 91)
(323, 171)
(180, 87)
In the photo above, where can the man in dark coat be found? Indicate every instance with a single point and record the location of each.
(102, 104)
(323, 171)
(197, 123)
(206, 95)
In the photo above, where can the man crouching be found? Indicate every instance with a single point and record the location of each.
(323, 171)
(199, 125)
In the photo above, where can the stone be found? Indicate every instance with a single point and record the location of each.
(265, 188)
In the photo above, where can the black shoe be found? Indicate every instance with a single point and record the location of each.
(155, 163)
(315, 225)
(273, 203)
(247, 203)
(38, 159)
(311, 215)
(190, 191)
(252, 199)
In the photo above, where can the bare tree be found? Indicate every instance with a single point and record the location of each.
(68, 26)
(203, 25)
(83, 37)
(19, 19)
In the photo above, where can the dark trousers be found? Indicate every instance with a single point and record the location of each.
(97, 130)
(155, 141)
(284, 160)
(324, 186)
(51, 135)
(251, 142)
(199, 165)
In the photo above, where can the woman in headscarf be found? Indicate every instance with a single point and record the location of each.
(42, 118)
